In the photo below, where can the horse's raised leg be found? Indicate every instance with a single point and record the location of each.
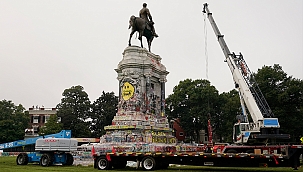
(130, 37)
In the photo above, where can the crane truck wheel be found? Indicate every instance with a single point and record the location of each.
(148, 163)
(103, 164)
(22, 159)
(69, 159)
(46, 160)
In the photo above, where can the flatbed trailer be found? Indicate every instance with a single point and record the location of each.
(161, 160)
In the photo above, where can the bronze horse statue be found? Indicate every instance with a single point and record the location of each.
(138, 24)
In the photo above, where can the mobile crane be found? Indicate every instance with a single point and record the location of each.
(263, 126)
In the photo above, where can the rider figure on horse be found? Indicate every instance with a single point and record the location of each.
(145, 14)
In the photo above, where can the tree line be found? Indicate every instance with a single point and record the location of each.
(78, 114)
(196, 101)
(192, 101)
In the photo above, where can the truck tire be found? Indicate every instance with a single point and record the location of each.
(46, 160)
(103, 164)
(69, 159)
(22, 159)
(148, 163)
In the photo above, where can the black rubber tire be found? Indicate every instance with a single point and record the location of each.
(46, 160)
(22, 159)
(103, 164)
(69, 159)
(120, 165)
(149, 163)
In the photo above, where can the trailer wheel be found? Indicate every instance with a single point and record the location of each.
(22, 159)
(103, 164)
(148, 163)
(69, 159)
(46, 160)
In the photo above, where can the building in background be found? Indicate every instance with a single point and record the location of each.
(181, 135)
(38, 118)
(178, 130)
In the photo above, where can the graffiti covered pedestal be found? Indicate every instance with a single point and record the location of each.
(140, 121)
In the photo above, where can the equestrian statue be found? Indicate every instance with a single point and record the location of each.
(144, 25)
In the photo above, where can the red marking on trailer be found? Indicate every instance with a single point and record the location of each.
(50, 140)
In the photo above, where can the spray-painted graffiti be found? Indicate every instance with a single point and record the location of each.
(132, 97)
(128, 91)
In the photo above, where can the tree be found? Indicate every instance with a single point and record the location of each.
(103, 112)
(52, 126)
(271, 81)
(226, 118)
(284, 95)
(75, 111)
(291, 108)
(13, 121)
(193, 102)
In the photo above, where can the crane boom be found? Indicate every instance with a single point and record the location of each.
(231, 60)
(264, 126)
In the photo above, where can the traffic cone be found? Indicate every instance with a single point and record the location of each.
(93, 151)
(108, 157)
(113, 150)
(276, 161)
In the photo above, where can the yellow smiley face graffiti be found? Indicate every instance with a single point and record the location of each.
(127, 91)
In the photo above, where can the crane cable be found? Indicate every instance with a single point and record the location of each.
(206, 58)
(205, 45)
(210, 134)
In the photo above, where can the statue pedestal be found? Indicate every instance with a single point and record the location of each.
(141, 109)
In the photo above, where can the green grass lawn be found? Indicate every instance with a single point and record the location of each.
(8, 164)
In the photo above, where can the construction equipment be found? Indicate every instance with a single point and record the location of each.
(263, 126)
(46, 150)
(28, 144)
(50, 151)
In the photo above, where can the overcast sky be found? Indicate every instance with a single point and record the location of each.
(47, 46)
